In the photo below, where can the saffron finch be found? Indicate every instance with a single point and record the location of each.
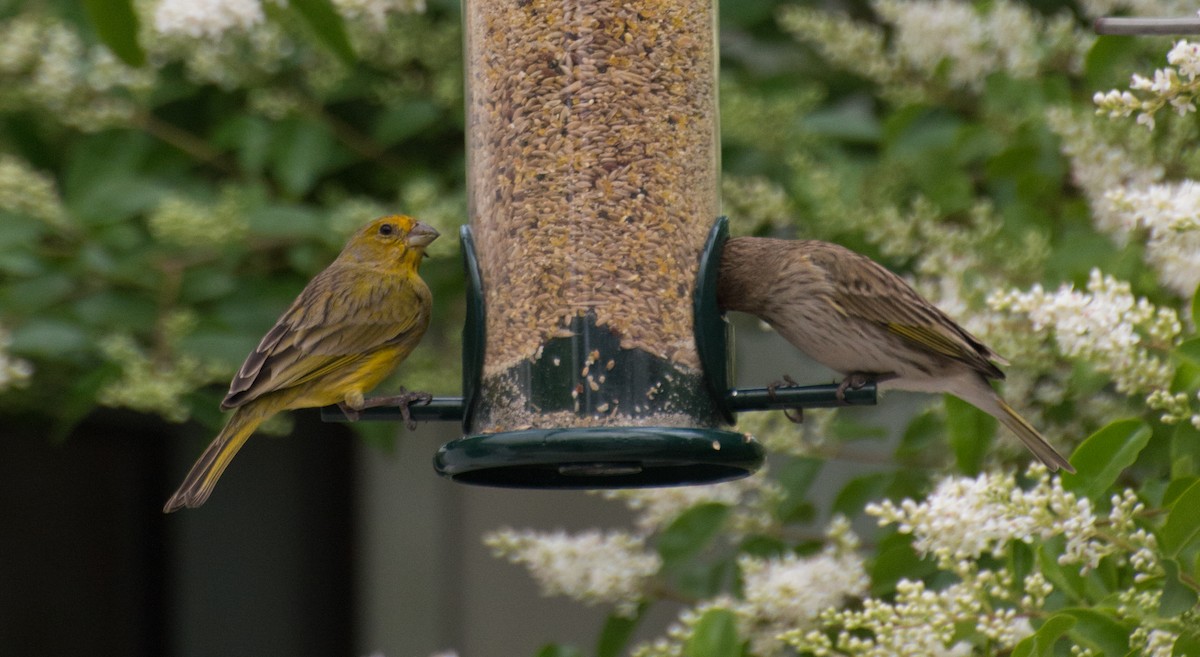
(852, 315)
(346, 332)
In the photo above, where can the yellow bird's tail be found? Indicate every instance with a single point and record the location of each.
(201, 479)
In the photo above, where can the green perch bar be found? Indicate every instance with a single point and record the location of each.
(450, 409)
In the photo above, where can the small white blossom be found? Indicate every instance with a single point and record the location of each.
(206, 19)
(1105, 326)
(14, 372)
(789, 593)
(592, 567)
(1175, 86)
(1170, 215)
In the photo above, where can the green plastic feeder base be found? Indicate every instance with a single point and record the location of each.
(566, 458)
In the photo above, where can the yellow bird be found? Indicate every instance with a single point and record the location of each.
(346, 332)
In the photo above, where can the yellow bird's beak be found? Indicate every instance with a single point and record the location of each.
(421, 235)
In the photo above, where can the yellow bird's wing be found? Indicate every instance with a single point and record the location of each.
(339, 319)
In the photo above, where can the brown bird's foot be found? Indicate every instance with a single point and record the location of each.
(402, 402)
(785, 382)
(855, 380)
(349, 411)
(796, 415)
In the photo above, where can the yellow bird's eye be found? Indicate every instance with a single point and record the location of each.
(387, 229)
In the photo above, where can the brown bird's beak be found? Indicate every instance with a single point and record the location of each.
(421, 235)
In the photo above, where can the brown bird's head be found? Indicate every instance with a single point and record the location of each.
(389, 241)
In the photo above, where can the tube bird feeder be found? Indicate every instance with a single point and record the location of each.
(594, 353)
(593, 184)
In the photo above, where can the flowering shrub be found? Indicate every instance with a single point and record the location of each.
(962, 144)
(1018, 169)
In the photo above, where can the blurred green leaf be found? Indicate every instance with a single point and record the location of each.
(48, 338)
(715, 635)
(971, 434)
(116, 23)
(691, 532)
(1099, 630)
(859, 491)
(1177, 597)
(1185, 451)
(117, 309)
(559, 650)
(921, 437)
(301, 153)
(327, 24)
(403, 120)
(1176, 488)
(895, 559)
(1108, 60)
(1188, 351)
(1186, 646)
(1067, 580)
(1041, 643)
(1183, 523)
(1101, 458)
(617, 632)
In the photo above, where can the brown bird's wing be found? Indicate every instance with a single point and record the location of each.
(321, 332)
(871, 292)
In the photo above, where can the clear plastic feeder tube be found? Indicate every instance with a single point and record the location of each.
(593, 161)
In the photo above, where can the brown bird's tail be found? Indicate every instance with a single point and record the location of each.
(200, 480)
(1032, 439)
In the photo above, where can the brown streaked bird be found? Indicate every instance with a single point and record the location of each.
(347, 331)
(852, 315)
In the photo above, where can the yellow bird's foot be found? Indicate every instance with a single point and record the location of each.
(401, 401)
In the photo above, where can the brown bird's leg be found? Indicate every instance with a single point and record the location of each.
(349, 411)
(402, 401)
(856, 380)
(798, 417)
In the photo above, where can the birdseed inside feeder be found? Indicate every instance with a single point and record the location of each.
(593, 167)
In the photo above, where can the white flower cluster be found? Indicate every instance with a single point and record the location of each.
(791, 592)
(962, 41)
(919, 623)
(1106, 327)
(187, 223)
(46, 65)
(593, 567)
(1170, 215)
(1175, 85)
(375, 12)
(156, 385)
(754, 203)
(207, 19)
(1099, 166)
(213, 19)
(656, 508)
(24, 190)
(965, 518)
(14, 372)
(968, 43)
(778, 595)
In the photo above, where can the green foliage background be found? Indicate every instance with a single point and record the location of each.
(155, 221)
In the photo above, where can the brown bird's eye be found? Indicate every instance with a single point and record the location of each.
(387, 229)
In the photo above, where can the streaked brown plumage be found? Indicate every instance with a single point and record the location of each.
(346, 332)
(852, 315)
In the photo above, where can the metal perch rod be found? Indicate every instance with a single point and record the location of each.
(1147, 26)
(741, 399)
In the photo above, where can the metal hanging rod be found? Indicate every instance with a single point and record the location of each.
(1147, 26)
